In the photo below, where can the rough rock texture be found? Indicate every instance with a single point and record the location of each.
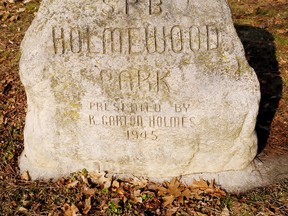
(149, 87)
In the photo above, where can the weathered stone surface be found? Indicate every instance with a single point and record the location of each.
(149, 87)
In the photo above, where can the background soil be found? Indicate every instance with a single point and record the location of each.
(262, 26)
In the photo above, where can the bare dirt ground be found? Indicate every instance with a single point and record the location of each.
(262, 26)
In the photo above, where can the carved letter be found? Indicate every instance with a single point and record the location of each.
(134, 38)
(58, 40)
(142, 79)
(73, 41)
(155, 7)
(162, 83)
(111, 8)
(204, 38)
(152, 44)
(106, 78)
(174, 122)
(127, 3)
(92, 120)
(213, 38)
(125, 77)
(114, 39)
(194, 34)
(177, 39)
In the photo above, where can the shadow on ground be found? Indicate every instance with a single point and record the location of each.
(261, 54)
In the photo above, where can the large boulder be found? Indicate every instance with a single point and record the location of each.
(143, 87)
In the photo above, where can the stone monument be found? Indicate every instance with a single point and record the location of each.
(152, 88)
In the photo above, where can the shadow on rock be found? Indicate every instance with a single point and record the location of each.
(261, 54)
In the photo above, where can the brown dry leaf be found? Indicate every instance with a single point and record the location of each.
(75, 210)
(101, 179)
(115, 184)
(172, 211)
(67, 210)
(70, 210)
(225, 212)
(5, 16)
(153, 187)
(84, 179)
(20, 10)
(168, 200)
(139, 183)
(1, 119)
(201, 184)
(200, 214)
(26, 1)
(89, 191)
(120, 191)
(137, 193)
(87, 206)
(171, 188)
(116, 201)
(25, 176)
(137, 200)
(215, 190)
(72, 184)
(176, 190)
(22, 209)
(13, 18)
(136, 196)
(185, 194)
(282, 31)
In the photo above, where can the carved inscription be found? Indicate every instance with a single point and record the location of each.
(139, 121)
(135, 80)
(135, 40)
(137, 135)
(154, 7)
(131, 117)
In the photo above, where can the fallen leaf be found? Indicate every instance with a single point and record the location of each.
(225, 212)
(75, 210)
(25, 176)
(116, 201)
(26, 1)
(168, 200)
(84, 179)
(215, 190)
(201, 184)
(73, 184)
(120, 191)
(200, 214)
(172, 211)
(20, 10)
(13, 18)
(136, 197)
(1, 119)
(89, 191)
(137, 193)
(22, 209)
(70, 210)
(101, 179)
(139, 183)
(171, 188)
(137, 200)
(185, 194)
(5, 16)
(176, 190)
(115, 184)
(87, 206)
